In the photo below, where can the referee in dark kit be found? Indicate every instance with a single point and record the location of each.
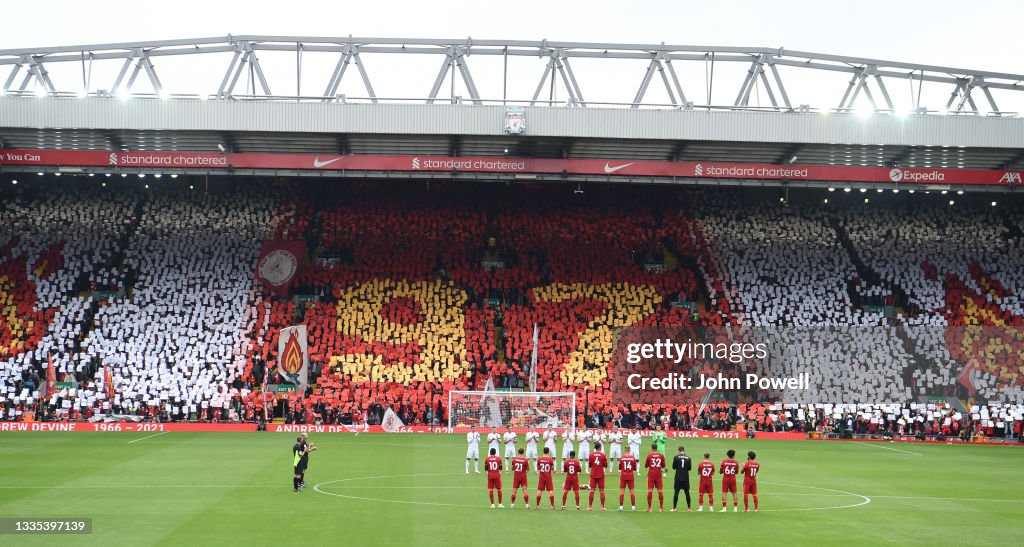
(681, 463)
(300, 460)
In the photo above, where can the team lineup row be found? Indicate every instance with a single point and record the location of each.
(598, 463)
(583, 437)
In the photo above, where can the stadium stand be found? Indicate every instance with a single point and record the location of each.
(408, 294)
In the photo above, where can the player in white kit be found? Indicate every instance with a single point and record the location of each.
(493, 440)
(473, 450)
(634, 443)
(568, 438)
(509, 438)
(615, 448)
(550, 436)
(583, 438)
(531, 446)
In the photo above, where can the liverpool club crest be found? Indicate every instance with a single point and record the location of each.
(515, 120)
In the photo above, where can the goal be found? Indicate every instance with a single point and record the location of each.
(511, 409)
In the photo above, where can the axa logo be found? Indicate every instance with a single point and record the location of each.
(416, 163)
(1011, 177)
(112, 158)
(896, 175)
(698, 170)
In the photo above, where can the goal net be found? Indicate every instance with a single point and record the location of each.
(511, 409)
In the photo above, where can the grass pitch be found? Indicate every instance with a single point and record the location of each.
(404, 489)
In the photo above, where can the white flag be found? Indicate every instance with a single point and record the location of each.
(533, 359)
(391, 422)
(293, 356)
(490, 409)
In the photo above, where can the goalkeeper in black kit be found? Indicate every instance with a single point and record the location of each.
(681, 463)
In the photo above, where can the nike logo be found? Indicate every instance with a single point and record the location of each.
(610, 169)
(317, 163)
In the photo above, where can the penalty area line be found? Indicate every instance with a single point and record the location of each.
(872, 445)
(147, 437)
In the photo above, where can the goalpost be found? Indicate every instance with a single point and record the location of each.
(511, 409)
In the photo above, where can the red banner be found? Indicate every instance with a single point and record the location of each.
(108, 382)
(149, 427)
(442, 164)
(51, 378)
(278, 264)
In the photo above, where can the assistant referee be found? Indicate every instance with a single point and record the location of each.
(681, 463)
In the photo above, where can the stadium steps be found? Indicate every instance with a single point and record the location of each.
(117, 258)
(920, 361)
(690, 262)
(957, 404)
(89, 322)
(866, 274)
(314, 232)
(497, 332)
(1013, 231)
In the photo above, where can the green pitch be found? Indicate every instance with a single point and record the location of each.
(403, 489)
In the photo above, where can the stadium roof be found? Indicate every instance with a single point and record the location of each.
(968, 131)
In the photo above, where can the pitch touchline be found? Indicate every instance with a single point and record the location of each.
(873, 445)
(147, 437)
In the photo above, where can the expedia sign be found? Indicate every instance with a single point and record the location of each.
(916, 175)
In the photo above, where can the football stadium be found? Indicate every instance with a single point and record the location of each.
(314, 288)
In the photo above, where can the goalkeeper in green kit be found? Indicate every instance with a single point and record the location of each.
(660, 438)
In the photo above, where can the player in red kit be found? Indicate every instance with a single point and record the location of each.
(571, 467)
(598, 464)
(750, 470)
(706, 472)
(493, 466)
(627, 468)
(545, 465)
(520, 465)
(655, 465)
(729, 468)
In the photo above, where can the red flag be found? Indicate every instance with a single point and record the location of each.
(266, 379)
(51, 377)
(965, 379)
(278, 264)
(108, 382)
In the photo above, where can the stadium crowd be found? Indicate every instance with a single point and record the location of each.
(408, 295)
